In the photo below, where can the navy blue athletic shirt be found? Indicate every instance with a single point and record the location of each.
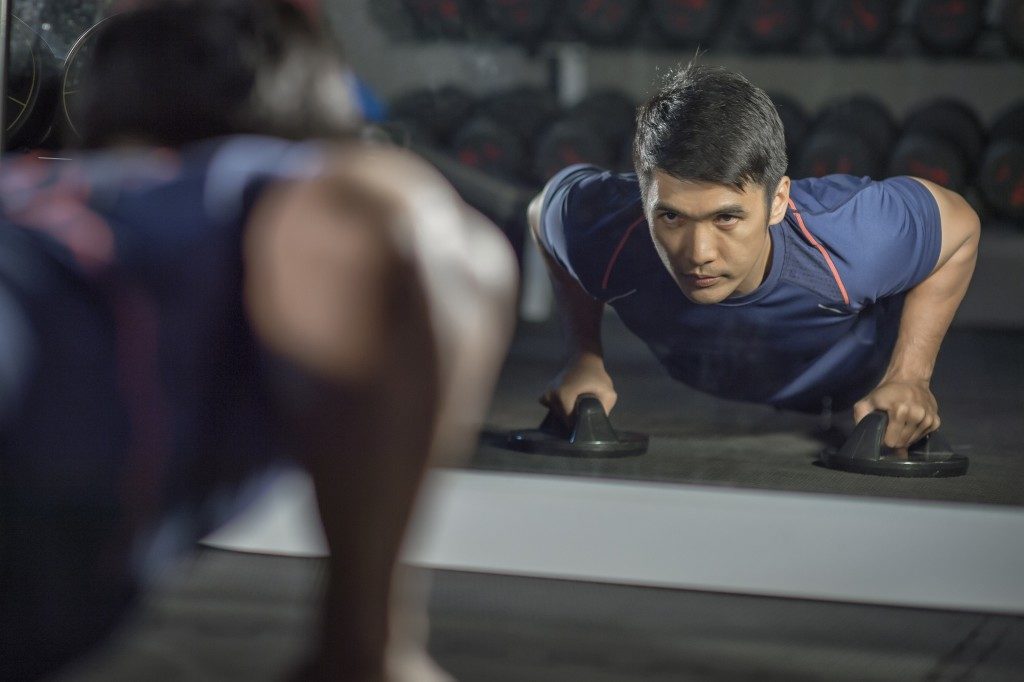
(140, 384)
(821, 325)
(135, 411)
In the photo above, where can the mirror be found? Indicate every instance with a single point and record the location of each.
(519, 90)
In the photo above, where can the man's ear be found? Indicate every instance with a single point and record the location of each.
(780, 201)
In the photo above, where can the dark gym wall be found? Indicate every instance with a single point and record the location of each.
(990, 85)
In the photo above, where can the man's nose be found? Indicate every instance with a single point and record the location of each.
(700, 247)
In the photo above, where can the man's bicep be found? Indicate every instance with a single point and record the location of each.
(959, 223)
(549, 231)
(318, 259)
(894, 238)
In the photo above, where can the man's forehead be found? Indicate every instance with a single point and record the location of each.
(665, 187)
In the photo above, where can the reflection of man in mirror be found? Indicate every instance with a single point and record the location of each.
(749, 285)
(187, 310)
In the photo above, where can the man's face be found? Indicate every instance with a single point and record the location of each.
(713, 239)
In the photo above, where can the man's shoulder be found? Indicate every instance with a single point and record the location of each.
(593, 204)
(867, 232)
(854, 197)
(592, 222)
(829, 193)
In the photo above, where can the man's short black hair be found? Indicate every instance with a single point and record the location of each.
(176, 71)
(710, 125)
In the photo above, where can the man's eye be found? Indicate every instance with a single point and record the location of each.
(726, 219)
(669, 216)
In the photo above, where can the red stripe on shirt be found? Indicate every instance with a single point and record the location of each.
(815, 244)
(618, 250)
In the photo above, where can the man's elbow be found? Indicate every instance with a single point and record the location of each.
(533, 215)
(969, 229)
(961, 226)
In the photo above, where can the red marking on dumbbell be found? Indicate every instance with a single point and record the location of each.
(448, 9)
(569, 154)
(766, 23)
(1017, 197)
(867, 19)
(953, 8)
(933, 173)
(491, 151)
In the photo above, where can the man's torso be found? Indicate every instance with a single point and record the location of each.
(818, 326)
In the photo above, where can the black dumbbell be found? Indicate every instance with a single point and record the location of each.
(612, 114)
(948, 27)
(1011, 21)
(570, 141)
(850, 136)
(438, 112)
(485, 144)
(609, 112)
(795, 122)
(942, 141)
(602, 21)
(595, 130)
(768, 25)
(684, 22)
(523, 21)
(858, 26)
(1001, 177)
(524, 110)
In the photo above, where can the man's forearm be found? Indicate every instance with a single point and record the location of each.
(927, 313)
(580, 312)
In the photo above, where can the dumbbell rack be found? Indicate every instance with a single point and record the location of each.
(902, 75)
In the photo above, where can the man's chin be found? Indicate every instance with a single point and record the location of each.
(705, 295)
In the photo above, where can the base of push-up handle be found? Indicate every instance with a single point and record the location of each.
(590, 434)
(864, 453)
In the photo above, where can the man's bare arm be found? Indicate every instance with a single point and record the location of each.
(387, 305)
(927, 312)
(581, 314)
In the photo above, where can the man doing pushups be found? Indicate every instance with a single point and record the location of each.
(749, 285)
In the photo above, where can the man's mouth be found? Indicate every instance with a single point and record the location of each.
(702, 281)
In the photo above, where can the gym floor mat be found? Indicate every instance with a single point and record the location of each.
(699, 439)
(229, 616)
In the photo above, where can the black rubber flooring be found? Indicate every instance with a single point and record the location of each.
(229, 617)
(225, 616)
(698, 439)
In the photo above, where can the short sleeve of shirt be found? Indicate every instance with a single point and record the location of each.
(886, 235)
(586, 217)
